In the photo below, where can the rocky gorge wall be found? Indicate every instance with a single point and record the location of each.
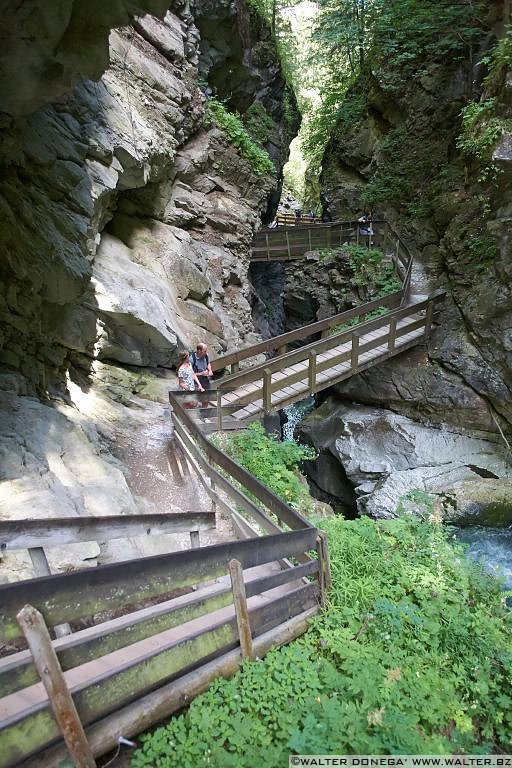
(125, 223)
(455, 215)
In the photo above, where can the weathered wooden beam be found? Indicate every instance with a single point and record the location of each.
(17, 671)
(311, 370)
(392, 300)
(58, 531)
(52, 677)
(234, 493)
(354, 358)
(392, 334)
(41, 568)
(267, 390)
(140, 667)
(241, 610)
(109, 587)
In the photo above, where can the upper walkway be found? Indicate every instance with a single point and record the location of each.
(292, 242)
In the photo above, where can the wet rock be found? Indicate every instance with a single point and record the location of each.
(485, 502)
(385, 455)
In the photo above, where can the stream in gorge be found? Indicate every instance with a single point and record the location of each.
(491, 546)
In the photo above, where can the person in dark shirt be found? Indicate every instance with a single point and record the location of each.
(202, 367)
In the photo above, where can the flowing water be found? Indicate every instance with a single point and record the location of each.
(295, 414)
(491, 546)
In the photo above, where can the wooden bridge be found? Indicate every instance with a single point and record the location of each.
(104, 653)
(143, 637)
(292, 242)
(331, 350)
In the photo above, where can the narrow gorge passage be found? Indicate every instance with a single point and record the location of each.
(319, 191)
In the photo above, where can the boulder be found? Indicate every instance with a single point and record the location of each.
(385, 455)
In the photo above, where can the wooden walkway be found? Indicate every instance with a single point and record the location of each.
(346, 343)
(293, 241)
(163, 627)
(288, 378)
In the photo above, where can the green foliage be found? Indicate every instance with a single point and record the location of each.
(367, 269)
(417, 501)
(237, 135)
(393, 42)
(373, 315)
(336, 114)
(258, 123)
(272, 461)
(500, 60)
(482, 248)
(408, 36)
(404, 163)
(480, 130)
(412, 656)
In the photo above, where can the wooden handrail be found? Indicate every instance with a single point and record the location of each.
(283, 512)
(236, 380)
(57, 531)
(269, 345)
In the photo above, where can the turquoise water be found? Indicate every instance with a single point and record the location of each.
(296, 413)
(492, 546)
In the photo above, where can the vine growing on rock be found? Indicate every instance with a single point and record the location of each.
(236, 134)
(384, 44)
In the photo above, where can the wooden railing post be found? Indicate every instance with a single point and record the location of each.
(235, 367)
(312, 370)
(281, 350)
(268, 248)
(194, 540)
(324, 573)
(288, 244)
(219, 410)
(242, 613)
(392, 334)
(354, 359)
(428, 318)
(267, 390)
(42, 568)
(47, 664)
(309, 238)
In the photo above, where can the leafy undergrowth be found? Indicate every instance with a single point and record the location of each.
(236, 134)
(413, 655)
(275, 462)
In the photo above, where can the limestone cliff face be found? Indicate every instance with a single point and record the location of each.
(125, 225)
(456, 220)
(115, 206)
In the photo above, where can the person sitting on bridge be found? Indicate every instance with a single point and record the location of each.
(187, 378)
(202, 367)
(366, 219)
